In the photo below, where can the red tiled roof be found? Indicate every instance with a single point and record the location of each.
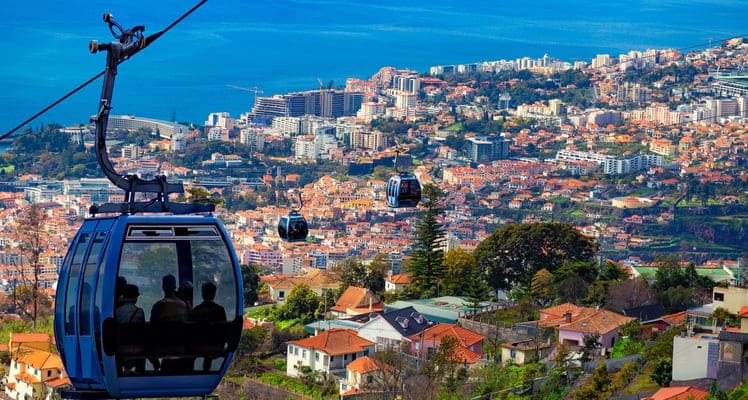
(675, 319)
(400, 279)
(364, 364)
(335, 342)
(58, 382)
(679, 393)
(466, 337)
(743, 313)
(26, 377)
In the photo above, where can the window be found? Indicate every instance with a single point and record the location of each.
(296, 351)
(281, 294)
(719, 296)
(316, 356)
(303, 353)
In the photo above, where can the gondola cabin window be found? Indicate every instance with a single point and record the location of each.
(177, 288)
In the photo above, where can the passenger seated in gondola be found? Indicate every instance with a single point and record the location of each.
(168, 310)
(130, 315)
(209, 311)
(185, 292)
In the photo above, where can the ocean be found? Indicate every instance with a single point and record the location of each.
(284, 46)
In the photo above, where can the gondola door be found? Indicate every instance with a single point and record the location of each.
(70, 322)
(89, 310)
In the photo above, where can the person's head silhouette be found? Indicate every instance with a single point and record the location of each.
(208, 291)
(169, 284)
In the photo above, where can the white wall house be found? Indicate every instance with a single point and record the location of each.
(328, 352)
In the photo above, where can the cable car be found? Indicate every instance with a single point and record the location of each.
(403, 190)
(293, 227)
(117, 265)
(128, 320)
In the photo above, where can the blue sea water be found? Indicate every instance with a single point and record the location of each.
(283, 45)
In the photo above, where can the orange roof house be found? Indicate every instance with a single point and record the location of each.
(574, 323)
(362, 373)
(396, 282)
(330, 351)
(470, 344)
(36, 367)
(679, 393)
(356, 301)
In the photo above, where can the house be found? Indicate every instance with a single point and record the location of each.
(733, 354)
(426, 342)
(367, 375)
(695, 357)
(574, 323)
(396, 283)
(393, 329)
(525, 350)
(356, 301)
(329, 352)
(320, 281)
(663, 323)
(36, 371)
(679, 393)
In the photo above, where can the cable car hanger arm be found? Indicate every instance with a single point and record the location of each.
(130, 42)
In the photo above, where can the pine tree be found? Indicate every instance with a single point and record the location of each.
(426, 265)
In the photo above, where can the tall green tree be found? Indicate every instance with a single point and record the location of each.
(251, 283)
(426, 264)
(302, 303)
(513, 253)
(460, 265)
(475, 290)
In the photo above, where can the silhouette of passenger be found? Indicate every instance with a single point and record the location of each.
(209, 311)
(130, 315)
(185, 292)
(119, 287)
(170, 308)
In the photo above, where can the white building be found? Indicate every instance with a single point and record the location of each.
(328, 352)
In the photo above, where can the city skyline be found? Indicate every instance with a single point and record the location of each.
(292, 44)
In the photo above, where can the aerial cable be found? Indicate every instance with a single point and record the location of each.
(148, 40)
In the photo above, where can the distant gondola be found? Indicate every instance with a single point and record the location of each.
(293, 227)
(403, 190)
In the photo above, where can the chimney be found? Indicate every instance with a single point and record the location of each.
(567, 316)
(316, 330)
(370, 304)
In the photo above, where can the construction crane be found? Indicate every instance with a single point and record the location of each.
(254, 90)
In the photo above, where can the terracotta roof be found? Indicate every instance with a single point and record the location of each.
(27, 377)
(561, 309)
(679, 393)
(464, 355)
(357, 297)
(466, 337)
(400, 279)
(597, 322)
(364, 364)
(335, 342)
(743, 313)
(39, 359)
(675, 319)
(58, 382)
